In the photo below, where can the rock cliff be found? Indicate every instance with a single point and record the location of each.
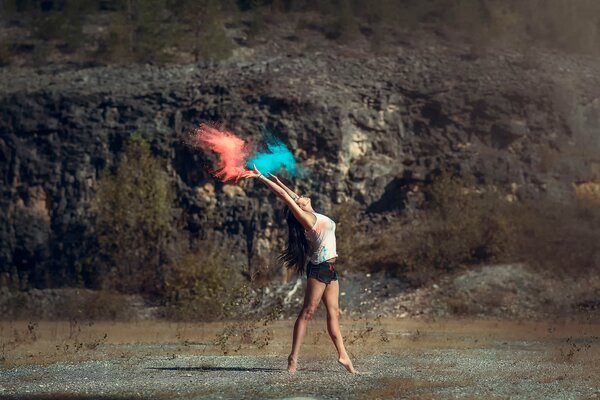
(373, 129)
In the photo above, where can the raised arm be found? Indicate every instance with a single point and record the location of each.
(306, 218)
(289, 191)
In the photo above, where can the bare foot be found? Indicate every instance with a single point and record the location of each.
(345, 361)
(292, 365)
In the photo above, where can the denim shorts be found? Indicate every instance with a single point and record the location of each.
(324, 272)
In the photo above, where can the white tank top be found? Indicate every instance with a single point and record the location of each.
(322, 239)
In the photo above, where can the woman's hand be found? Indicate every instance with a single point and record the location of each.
(254, 173)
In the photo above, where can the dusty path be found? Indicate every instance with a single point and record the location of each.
(397, 359)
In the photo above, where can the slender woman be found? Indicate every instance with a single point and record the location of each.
(311, 237)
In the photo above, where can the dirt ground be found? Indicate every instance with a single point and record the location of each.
(413, 359)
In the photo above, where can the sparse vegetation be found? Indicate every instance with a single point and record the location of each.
(422, 359)
(248, 330)
(466, 224)
(204, 284)
(122, 31)
(463, 225)
(567, 352)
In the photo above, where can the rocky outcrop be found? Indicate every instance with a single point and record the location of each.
(373, 129)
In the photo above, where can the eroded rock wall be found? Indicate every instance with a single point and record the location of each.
(370, 129)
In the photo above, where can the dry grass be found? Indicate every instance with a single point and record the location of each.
(204, 284)
(24, 342)
(464, 225)
(572, 351)
(68, 304)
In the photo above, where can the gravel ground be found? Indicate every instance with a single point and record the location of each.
(499, 367)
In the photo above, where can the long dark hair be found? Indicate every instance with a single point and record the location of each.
(295, 254)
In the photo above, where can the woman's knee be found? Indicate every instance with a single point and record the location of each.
(308, 312)
(333, 312)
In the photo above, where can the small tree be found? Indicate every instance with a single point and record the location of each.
(208, 39)
(135, 220)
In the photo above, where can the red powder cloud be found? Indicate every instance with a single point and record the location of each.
(232, 150)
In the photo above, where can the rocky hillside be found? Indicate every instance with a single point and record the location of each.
(369, 128)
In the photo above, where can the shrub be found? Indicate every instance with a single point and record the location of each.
(461, 226)
(473, 223)
(204, 284)
(135, 218)
(567, 25)
(464, 225)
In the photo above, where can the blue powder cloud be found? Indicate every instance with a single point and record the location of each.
(276, 157)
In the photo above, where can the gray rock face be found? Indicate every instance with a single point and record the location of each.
(365, 128)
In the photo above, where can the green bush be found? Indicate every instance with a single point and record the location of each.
(257, 26)
(135, 220)
(564, 24)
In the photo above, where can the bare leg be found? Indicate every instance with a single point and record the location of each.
(312, 296)
(331, 301)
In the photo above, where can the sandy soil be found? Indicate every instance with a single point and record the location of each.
(415, 359)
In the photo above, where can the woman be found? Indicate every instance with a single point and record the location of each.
(311, 237)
